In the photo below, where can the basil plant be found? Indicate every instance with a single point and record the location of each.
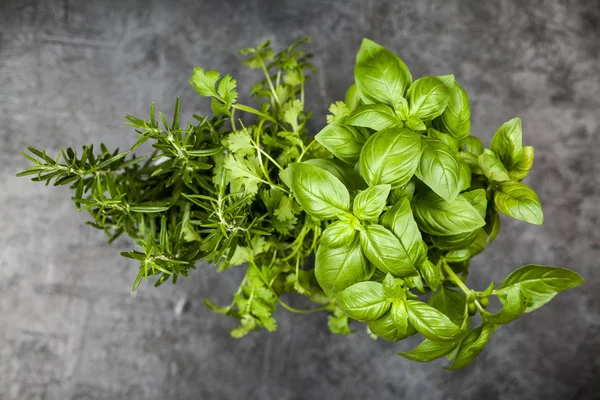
(408, 198)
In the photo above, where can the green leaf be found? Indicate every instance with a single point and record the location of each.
(539, 284)
(240, 142)
(205, 83)
(390, 156)
(436, 216)
(318, 192)
(243, 172)
(429, 350)
(492, 225)
(363, 301)
(369, 203)
(431, 273)
(393, 325)
(416, 124)
(340, 267)
(338, 323)
(471, 346)
(344, 142)
(518, 201)
(439, 169)
(473, 145)
(428, 97)
(339, 111)
(455, 242)
(391, 286)
(507, 143)
(492, 167)
(405, 192)
(521, 169)
(478, 199)
(515, 304)
(450, 302)
(374, 116)
(381, 248)
(451, 142)
(352, 98)
(456, 118)
(431, 323)
(340, 170)
(380, 76)
(339, 233)
(400, 221)
(464, 178)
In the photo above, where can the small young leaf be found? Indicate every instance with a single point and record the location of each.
(428, 97)
(492, 167)
(439, 169)
(374, 116)
(352, 98)
(521, 170)
(393, 325)
(515, 303)
(431, 323)
(492, 224)
(429, 350)
(381, 248)
(363, 301)
(471, 346)
(339, 233)
(431, 273)
(451, 303)
(369, 203)
(507, 143)
(518, 201)
(391, 287)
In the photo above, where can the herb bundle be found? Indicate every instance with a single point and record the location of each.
(393, 197)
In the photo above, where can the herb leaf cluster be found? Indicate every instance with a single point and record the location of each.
(393, 197)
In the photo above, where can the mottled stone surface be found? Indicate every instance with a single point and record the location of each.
(70, 327)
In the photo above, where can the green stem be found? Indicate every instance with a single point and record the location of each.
(454, 278)
(298, 311)
(305, 150)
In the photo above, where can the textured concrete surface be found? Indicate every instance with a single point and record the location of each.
(69, 70)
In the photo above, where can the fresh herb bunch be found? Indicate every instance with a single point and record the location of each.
(393, 196)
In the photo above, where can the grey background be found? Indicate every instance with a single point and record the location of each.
(70, 327)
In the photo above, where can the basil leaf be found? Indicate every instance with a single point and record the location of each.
(473, 145)
(381, 77)
(339, 233)
(428, 97)
(507, 143)
(492, 167)
(340, 170)
(472, 160)
(455, 242)
(539, 283)
(456, 118)
(444, 137)
(391, 286)
(464, 179)
(374, 116)
(515, 303)
(450, 302)
(458, 256)
(471, 346)
(352, 99)
(415, 123)
(318, 192)
(340, 267)
(436, 216)
(432, 274)
(369, 203)
(393, 325)
(521, 170)
(401, 108)
(439, 169)
(344, 142)
(519, 201)
(400, 221)
(478, 199)
(381, 248)
(492, 224)
(390, 156)
(478, 244)
(363, 301)
(405, 191)
(429, 350)
(431, 323)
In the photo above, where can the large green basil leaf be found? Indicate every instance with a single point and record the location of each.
(521, 170)
(456, 118)
(352, 99)
(539, 283)
(318, 192)
(400, 221)
(507, 143)
(436, 216)
(381, 248)
(344, 142)
(471, 346)
(492, 167)
(431, 323)
(369, 203)
(394, 325)
(455, 242)
(492, 225)
(381, 77)
(339, 233)
(340, 267)
(428, 97)
(340, 170)
(374, 116)
(363, 301)
(515, 304)
(390, 156)
(477, 199)
(519, 201)
(439, 169)
(450, 302)
(429, 350)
